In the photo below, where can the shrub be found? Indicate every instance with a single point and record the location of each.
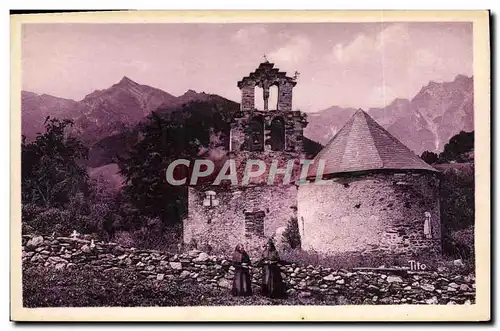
(53, 219)
(130, 218)
(124, 238)
(464, 237)
(153, 234)
(29, 212)
(457, 194)
(146, 239)
(85, 224)
(292, 235)
(101, 219)
(460, 244)
(206, 247)
(193, 244)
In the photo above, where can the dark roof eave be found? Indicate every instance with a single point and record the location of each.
(369, 171)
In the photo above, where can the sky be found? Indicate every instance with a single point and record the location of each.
(357, 65)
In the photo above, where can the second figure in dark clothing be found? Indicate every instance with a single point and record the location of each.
(242, 283)
(272, 282)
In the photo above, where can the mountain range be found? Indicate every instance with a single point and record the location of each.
(424, 123)
(102, 113)
(105, 118)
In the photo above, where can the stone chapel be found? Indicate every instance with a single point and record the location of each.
(379, 197)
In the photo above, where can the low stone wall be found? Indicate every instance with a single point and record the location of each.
(348, 286)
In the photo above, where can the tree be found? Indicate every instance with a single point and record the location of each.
(50, 173)
(429, 157)
(457, 148)
(163, 138)
(144, 168)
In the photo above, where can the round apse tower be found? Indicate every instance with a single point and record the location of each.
(379, 196)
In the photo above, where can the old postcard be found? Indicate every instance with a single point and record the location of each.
(251, 166)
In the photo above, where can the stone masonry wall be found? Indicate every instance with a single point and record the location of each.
(347, 287)
(295, 122)
(248, 98)
(371, 213)
(285, 96)
(266, 76)
(237, 206)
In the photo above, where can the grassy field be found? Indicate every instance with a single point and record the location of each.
(85, 287)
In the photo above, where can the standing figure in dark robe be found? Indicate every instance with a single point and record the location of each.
(272, 282)
(242, 283)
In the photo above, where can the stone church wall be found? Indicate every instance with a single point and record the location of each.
(248, 215)
(372, 213)
(294, 121)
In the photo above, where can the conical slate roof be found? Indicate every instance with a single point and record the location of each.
(361, 145)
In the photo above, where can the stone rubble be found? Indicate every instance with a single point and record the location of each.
(358, 287)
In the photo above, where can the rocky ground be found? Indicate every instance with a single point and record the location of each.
(77, 272)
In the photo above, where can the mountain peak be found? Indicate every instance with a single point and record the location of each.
(190, 92)
(462, 78)
(29, 93)
(432, 84)
(127, 81)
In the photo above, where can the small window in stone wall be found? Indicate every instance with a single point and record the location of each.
(254, 223)
(210, 202)
(210, 199)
